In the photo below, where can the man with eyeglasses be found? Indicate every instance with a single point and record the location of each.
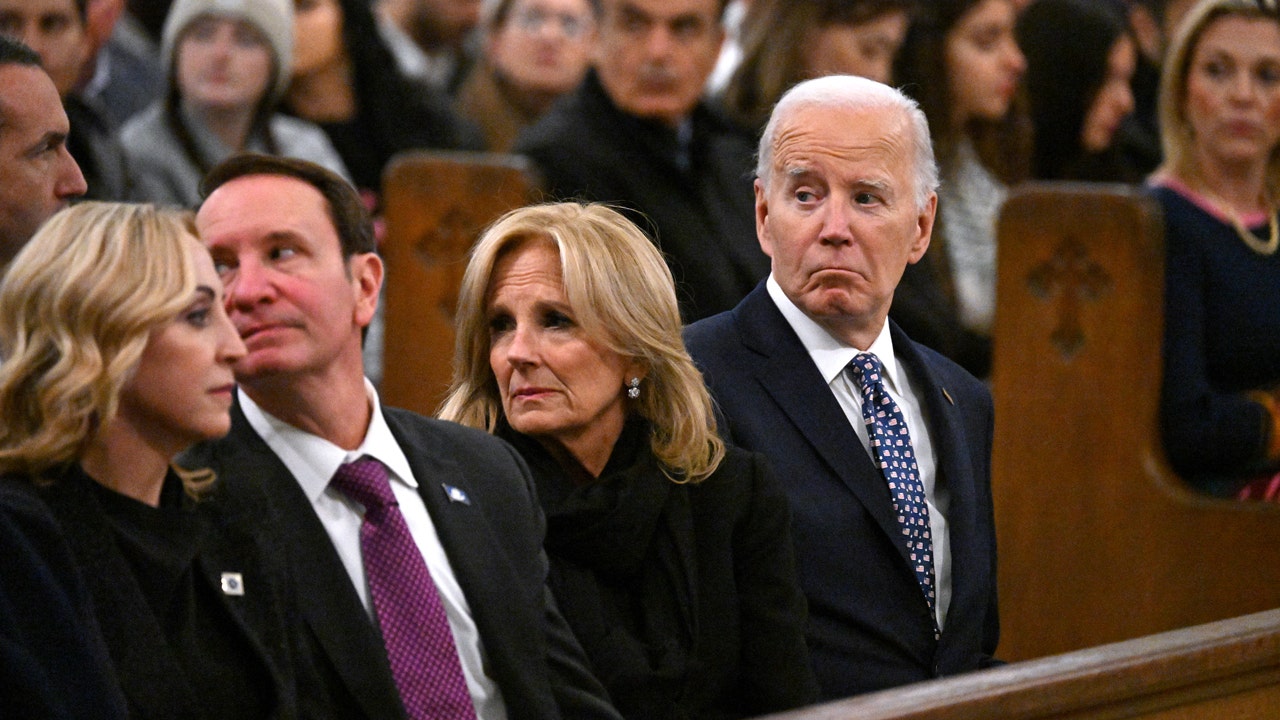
(637, 133)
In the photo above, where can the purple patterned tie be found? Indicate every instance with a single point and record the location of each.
(424, 659)
(891, 444)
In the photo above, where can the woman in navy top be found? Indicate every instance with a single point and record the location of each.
(1220, 119)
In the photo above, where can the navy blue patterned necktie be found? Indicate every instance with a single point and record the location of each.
(891, 445)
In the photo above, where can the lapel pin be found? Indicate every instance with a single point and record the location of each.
(947, 395)
(232, 583)
(455, 494)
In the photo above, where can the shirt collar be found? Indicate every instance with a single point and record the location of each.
(831, 355)
(313, 460)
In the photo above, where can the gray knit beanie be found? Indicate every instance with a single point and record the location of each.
(273, 18)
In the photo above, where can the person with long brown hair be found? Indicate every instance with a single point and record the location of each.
(960, 61)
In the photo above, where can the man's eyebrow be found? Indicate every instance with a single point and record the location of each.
(52, 138)
(277, 235)
(874, 184)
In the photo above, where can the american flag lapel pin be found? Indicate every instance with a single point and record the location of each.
(455, 494)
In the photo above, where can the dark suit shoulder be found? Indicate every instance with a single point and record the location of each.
(442, 429)
(714, 340)
(466, 445)
(53, 660)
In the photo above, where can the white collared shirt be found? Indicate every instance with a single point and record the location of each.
(434, 70)
(832, 358)
(313, 461)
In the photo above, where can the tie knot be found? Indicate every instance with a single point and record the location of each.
(868, 369)
(365, 481)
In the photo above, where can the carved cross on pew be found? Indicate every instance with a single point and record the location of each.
(451, 238)
(1074, 278)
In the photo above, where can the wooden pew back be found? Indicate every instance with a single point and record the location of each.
(437, 204)
(1098, 540)
(1227, 669)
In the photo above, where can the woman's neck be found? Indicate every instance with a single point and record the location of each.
(230, 125)
(1240, 187)
(122, 460)
(324, 96)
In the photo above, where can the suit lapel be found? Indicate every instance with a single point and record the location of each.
(325, 597)
(793, 381)
(479, 563)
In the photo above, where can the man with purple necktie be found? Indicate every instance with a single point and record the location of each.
(416, 545)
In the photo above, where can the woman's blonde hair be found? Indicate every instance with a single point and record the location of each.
(1176, 134)
(623, 297)
(77, 306)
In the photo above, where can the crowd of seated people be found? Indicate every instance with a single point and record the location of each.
(718, 442)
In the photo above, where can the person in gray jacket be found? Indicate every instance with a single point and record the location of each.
(227, 65)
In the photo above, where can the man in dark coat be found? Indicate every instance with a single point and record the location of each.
(896, 553)
(38, 176)
(636, 134)
(295, 250)
(57, 30)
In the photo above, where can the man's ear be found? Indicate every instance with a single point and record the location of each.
(366, 282)
(924, 230)
(762, 215)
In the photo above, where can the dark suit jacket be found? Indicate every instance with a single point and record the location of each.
(53, 660)
(494, 544)
(684, 595)
(870, 627)
(150, 671)
(702, 216)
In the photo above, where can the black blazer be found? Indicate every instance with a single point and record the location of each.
(149, 670)
(494, 544)
(683, 595)
(870, 627)
(53, 660)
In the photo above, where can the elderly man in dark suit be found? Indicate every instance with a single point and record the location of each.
(882, 445)
(416, 544)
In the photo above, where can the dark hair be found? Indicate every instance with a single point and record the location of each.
(1004, 145)
(350, 219)
(721, 6)
(1064, 73)
(15, 52)
(1155, 7)
(398, 113)
(774, 35)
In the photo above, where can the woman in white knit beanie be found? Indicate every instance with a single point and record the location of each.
(228, 64)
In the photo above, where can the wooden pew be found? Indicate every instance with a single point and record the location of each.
(1228, 669)
(437, 203)
(1098, 540)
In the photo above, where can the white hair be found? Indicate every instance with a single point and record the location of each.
(855, 93)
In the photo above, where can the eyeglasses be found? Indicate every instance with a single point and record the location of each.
(532, 20)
